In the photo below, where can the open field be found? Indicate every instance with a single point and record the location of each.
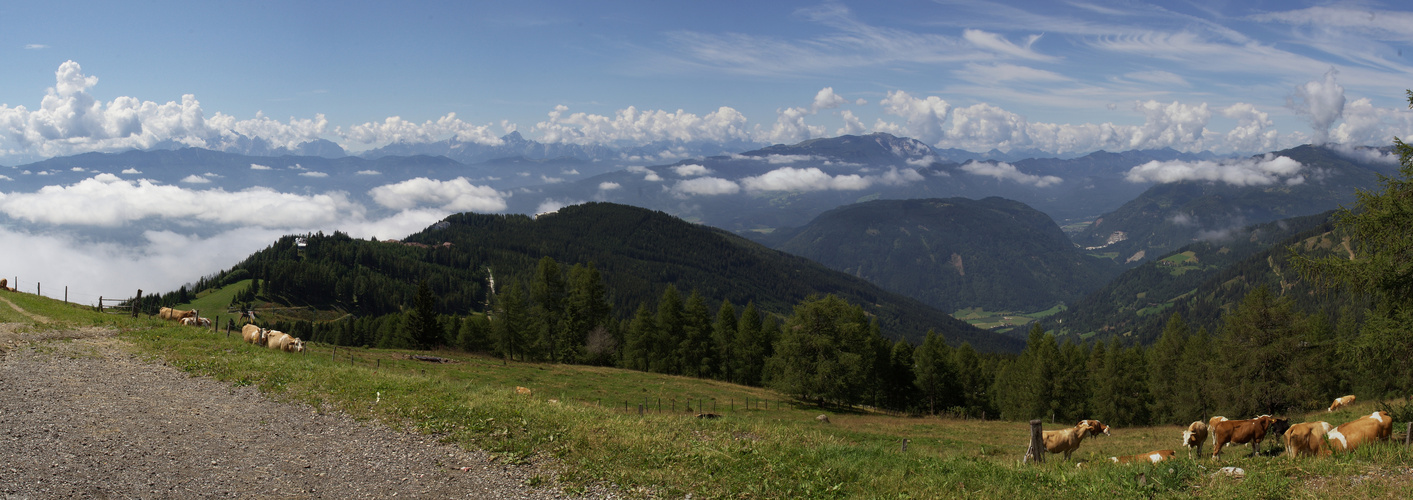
(1002, 321)
(575, 423)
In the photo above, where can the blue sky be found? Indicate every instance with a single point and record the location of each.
(1062, 77)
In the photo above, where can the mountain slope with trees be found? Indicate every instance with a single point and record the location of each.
(953, 253)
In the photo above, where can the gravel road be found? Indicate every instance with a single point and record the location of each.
(82, 416)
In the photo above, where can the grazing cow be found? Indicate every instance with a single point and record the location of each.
(284, 342)
(1194, 436)
(1307, 438)
(170, 314)
(1377, 426)
(1067, 440)
(1341, 402)
(254, 334)
(1096, 427)
(1252, 431)
(1152, 457)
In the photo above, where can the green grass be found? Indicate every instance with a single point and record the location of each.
(575, 416)
(1002, 321)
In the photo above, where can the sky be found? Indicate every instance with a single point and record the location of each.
(1058, 77)
(1063, 78)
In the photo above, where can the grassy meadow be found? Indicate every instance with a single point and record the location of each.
(575, 417)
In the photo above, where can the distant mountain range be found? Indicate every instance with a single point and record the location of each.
(952, 253)
(1170, 215)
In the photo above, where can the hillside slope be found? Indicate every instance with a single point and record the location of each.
(953, 253)
(639, 253)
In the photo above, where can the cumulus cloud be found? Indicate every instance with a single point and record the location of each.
(70, 120)
(790, 127)
(1250, 132)
(827, 99)
(551, 205)
(609, 186)
(105, 200)
(1260, 171)
(257, 166)
(396, 130)
(852, 124)
(5, 178)
(457, 195)
(803, 179)
(709, 186)
(131, 171)
(317, 175)
(923, 117)
(630, 125)
(368, 172)
(195, 179)
(1005, 171)
(1321, 102)
(691, 170)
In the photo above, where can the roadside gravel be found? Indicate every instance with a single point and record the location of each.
(82, 416)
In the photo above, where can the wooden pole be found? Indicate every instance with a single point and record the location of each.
(1408, 438)
(1036, 451)
(66, 294)
(136, 303)
(100, 303)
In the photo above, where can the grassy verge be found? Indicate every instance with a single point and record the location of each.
(575, 415)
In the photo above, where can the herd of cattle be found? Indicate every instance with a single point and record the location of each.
(273, 339)
(1303, 439)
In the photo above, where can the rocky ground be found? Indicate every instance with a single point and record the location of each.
(81, 415)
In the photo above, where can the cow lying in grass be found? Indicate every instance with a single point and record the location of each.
(196, 321)
(1377, 426)
(1067, 440)
(284, 342)
(1152, 457)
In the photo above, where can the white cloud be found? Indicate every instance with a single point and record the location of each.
(5, 178)
(790, 127)
(609, 186)
(1322, 102)
(457, 195)
(317, 175)
(396, 130)
(706, 186)
(1260, 171)
(691, 170)
(195, 179)
(551, 205)
(1250, 132)
(257, 166)
(106, 200)
(77, 169)
(368, 172)
(852, 124)
(69, 120)
(996, 43)
(990, 74)
(633, 126)
(827, 99)
(895, 177)
(1158, 77)
(35, 46)
(648, 174)
(803, 179)
(131, 171)
(1006, 171)
(924, 117)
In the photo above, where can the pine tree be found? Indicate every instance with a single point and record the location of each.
(752, 347)
(547, 297)
(933, 373)
(723, 339)
(818, 356)
(638, 340)
(1258, 343)
(695, 350)
(423, 328)
(670, 327)
(511, 321)
(1164, 366)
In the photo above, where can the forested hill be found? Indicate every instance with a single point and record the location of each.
(954, 253)
(639, 253)
(1203, 280)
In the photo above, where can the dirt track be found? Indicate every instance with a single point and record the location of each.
(82, 416)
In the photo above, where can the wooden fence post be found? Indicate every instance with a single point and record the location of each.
(66, 294)
(1408, 438)
(1036, 451)
(136, 303)
(100, 303)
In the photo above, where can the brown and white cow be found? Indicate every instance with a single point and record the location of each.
(1194, 437)
(254, 334)
(1341, 402)
(1377, 426)
(1307, 439)
(170, 314)
(1067, 440)
(1252, 431)
(1151, 457)
(284, 342)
